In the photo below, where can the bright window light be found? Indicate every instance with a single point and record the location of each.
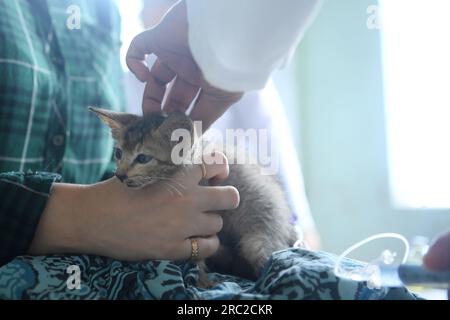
(131, 24)
(416, 54)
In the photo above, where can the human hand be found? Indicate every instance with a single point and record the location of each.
(169, 42)
(438, 257)
(112, 220)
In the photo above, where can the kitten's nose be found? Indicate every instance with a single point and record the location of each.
(121, 177)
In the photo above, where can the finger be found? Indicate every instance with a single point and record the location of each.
(218, 198)
(206, 247)
(216, 167)
(155, 88)
(180, 96)
(211, 105)
(162, 73)
(217, 174)
(438, 257)
(207, 224)
(140, 46)
(183, 65)
(153, 96)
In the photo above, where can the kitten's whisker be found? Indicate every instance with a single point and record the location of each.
(178, 191)
(173, 188)
(146, 179)
(168, 190)
(172, 180)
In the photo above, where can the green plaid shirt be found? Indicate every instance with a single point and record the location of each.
(50, 72)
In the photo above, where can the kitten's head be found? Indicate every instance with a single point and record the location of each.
(143, 144)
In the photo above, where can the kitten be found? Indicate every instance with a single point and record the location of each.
(251, 233)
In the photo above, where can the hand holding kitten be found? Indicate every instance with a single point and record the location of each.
(112, 220)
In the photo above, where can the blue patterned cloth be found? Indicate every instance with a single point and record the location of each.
(289, 274)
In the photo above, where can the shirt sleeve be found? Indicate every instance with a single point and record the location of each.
(23, 197)
(238, 44)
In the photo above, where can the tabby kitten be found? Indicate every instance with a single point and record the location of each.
(251, 233)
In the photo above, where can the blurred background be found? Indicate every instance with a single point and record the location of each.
(367, 101)
(373, 118)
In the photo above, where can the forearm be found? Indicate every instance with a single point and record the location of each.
(76, 218)
(59, 229)
(109, 219)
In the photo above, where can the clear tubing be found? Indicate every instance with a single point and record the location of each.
(373, 274)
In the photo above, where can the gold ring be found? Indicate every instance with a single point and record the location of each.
(194, 249)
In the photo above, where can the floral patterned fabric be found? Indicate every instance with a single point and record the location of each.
(289, 274)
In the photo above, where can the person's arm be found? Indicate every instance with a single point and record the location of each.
(238, 44)
(110, 219)
(232, 47)
(41, 217)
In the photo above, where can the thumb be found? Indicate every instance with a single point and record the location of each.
(438, 257)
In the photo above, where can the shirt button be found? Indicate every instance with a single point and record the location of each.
(58, 140)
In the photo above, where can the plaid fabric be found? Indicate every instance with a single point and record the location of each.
(20, 216)
(50, 73)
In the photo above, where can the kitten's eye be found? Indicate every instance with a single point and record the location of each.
(118, 153)
(143, 158)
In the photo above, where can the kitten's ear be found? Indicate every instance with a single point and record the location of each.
(115, 120)
(177, 120)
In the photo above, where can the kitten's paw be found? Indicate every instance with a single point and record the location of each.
(203, 280)
(205, 283)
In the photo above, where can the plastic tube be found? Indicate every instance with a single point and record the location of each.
(372, 272)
